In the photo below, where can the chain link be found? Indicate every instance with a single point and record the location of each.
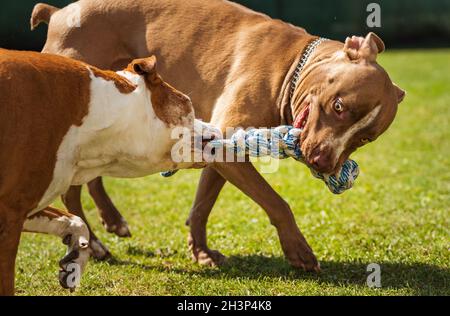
(301, 64)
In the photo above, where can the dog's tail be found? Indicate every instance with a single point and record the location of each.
(42, 12)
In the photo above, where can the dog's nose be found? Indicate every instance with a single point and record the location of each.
(322, 162)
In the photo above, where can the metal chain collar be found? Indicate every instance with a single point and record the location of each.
(301, 64)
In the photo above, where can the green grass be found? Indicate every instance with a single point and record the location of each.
(397, 216)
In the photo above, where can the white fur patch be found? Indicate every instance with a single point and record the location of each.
(121, 136)
(64, 226)
(341, 143)
(60, 226)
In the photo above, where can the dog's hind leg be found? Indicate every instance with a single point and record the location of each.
(111, 217)
(210, 185)
(74, 233)
(72, 201)
(11, 221)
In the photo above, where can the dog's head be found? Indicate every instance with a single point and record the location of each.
(344, 101)
(176, 111)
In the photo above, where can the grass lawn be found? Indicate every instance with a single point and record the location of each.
(397, 216)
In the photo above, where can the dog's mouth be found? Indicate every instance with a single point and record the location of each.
(300, 122)
(302, 118)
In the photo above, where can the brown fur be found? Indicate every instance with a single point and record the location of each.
(36, 111)
(41, 97)
(350, 85)
(51, 213)
(34, 88)
(41, 13)
(236, 65)
(170, 105)
(121, 83)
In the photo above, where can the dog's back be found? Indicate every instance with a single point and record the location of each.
(215, 44)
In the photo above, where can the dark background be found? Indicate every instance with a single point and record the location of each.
(405, 23)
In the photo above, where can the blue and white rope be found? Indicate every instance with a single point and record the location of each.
(280, 143)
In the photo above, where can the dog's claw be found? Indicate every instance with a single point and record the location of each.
(309, 265)
(63, 277)
(99, 251)
(121, 229)
(298, 252)
(205, 256)
(212, 258)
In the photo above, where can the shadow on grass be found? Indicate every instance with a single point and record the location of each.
(422, 279)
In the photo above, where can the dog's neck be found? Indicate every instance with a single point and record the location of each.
(122, 136)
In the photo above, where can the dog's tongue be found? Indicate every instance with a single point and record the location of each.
(302, 118)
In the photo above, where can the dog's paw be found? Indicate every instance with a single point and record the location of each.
(99, 251)
(205, 256)
(305, 261)
(298, 253)
(120, 228)
(70, 271)
(211, 258)
(67, 280)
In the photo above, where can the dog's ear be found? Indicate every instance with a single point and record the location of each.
(400, 93)
(367, 48)
(144, 66)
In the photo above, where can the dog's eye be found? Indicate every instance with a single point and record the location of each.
(365, 141)
(338, 106)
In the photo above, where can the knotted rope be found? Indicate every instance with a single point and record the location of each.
(280, 143)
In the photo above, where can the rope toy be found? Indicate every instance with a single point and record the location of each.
(280, 143)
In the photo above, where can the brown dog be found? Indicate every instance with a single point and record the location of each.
(238, 67)
(64, 122)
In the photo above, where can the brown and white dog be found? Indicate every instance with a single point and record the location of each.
(238, 66)
(62, 123)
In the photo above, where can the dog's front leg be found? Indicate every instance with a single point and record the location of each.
(74, 233)
(11, 221)
(72, 201)
(245, 177)
(112, 220)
